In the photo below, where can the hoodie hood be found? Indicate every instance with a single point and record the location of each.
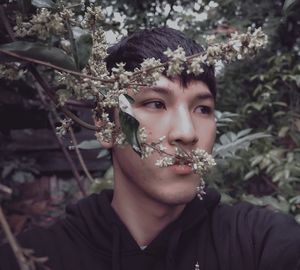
(97, 222)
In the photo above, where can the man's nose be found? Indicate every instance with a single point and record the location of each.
(182, 129)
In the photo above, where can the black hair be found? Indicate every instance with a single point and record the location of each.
(148, 43)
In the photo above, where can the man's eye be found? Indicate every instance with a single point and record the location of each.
(203, 109)
(154, 104)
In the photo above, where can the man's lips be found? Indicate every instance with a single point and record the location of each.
(181, 167)
(182, 162)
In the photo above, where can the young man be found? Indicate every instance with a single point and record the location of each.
(153, 218)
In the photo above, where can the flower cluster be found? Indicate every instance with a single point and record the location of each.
(237, 47)
(120, 78)
(11, 73)
(93, 14)
(201, 161)
(195, 66)
(176, 60)
(64, 127)
(148, 148)
(165, 162)
(96, 65)
(148, 73)
(106, 132)
(120, 140)
(42, 25)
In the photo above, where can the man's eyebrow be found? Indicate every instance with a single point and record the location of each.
(159, 90)
(166, 91)
(204, 96)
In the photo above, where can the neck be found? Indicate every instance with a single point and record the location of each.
(144, 217)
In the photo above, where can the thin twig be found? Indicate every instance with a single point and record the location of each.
(69, 159)
(80, 158)
(5, 190)
(82, 104)
(79, 74)
(39, 62)
(17, 250)
(49, 93)
(162, 151)
(60, 142)
(78, 120)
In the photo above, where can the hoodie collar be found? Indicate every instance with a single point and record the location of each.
(95, 219)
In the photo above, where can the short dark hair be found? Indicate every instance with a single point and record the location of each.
(148, 43)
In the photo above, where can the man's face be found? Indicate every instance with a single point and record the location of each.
(184, 116)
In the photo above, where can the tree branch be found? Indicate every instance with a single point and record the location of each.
(78, 120)
(39, 62)
(79, 74)
(17, 250)
(5, 190)
(69, 159)
(49, 93)
(80, 158)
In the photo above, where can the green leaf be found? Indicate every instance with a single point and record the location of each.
(24, 6)
(256, 160)
(250, 174)
(84, 44)
(43, 3)
(295, 200)
(103, 153)
(22, 177)
(231, 144)
(279, 103)
(244, 132)
(129, 126)
(36, 51)
(89, 144)
(7, 169)
(283, 132)
(296, 79)
(276, 204)
(129, 98)
(288, 4)
(297, 218)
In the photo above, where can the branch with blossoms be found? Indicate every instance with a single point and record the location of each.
(69, 40)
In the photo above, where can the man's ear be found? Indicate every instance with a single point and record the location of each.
(105, 144)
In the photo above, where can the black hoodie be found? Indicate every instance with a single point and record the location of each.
(215, 236)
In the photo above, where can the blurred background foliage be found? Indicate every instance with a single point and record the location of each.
(261, 94)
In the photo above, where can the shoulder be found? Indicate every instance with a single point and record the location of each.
(272, 238)
(253, 218)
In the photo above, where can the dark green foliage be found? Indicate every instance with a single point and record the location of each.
(37, 51)
(129, 126)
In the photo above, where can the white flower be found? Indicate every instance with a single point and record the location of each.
(165, 162)
(142, 135)
(195, 65)
(176, 60)
(121, 139)
(201, 161)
